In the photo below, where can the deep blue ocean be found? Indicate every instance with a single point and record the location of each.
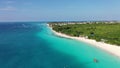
(33, 45)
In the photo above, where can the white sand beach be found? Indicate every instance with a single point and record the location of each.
(112, 49)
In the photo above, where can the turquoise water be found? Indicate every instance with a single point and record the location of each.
(33, 45)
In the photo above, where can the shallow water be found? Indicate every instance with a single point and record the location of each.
(33, 45)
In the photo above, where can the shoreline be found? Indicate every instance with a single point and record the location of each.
(112, 49)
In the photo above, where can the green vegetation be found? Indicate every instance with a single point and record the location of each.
(105, 32)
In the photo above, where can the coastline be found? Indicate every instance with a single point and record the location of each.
(112, 49)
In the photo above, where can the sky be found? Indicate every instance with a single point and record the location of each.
(59, 10)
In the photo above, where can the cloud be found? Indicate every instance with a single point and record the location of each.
(8, 8)
(9, 2)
